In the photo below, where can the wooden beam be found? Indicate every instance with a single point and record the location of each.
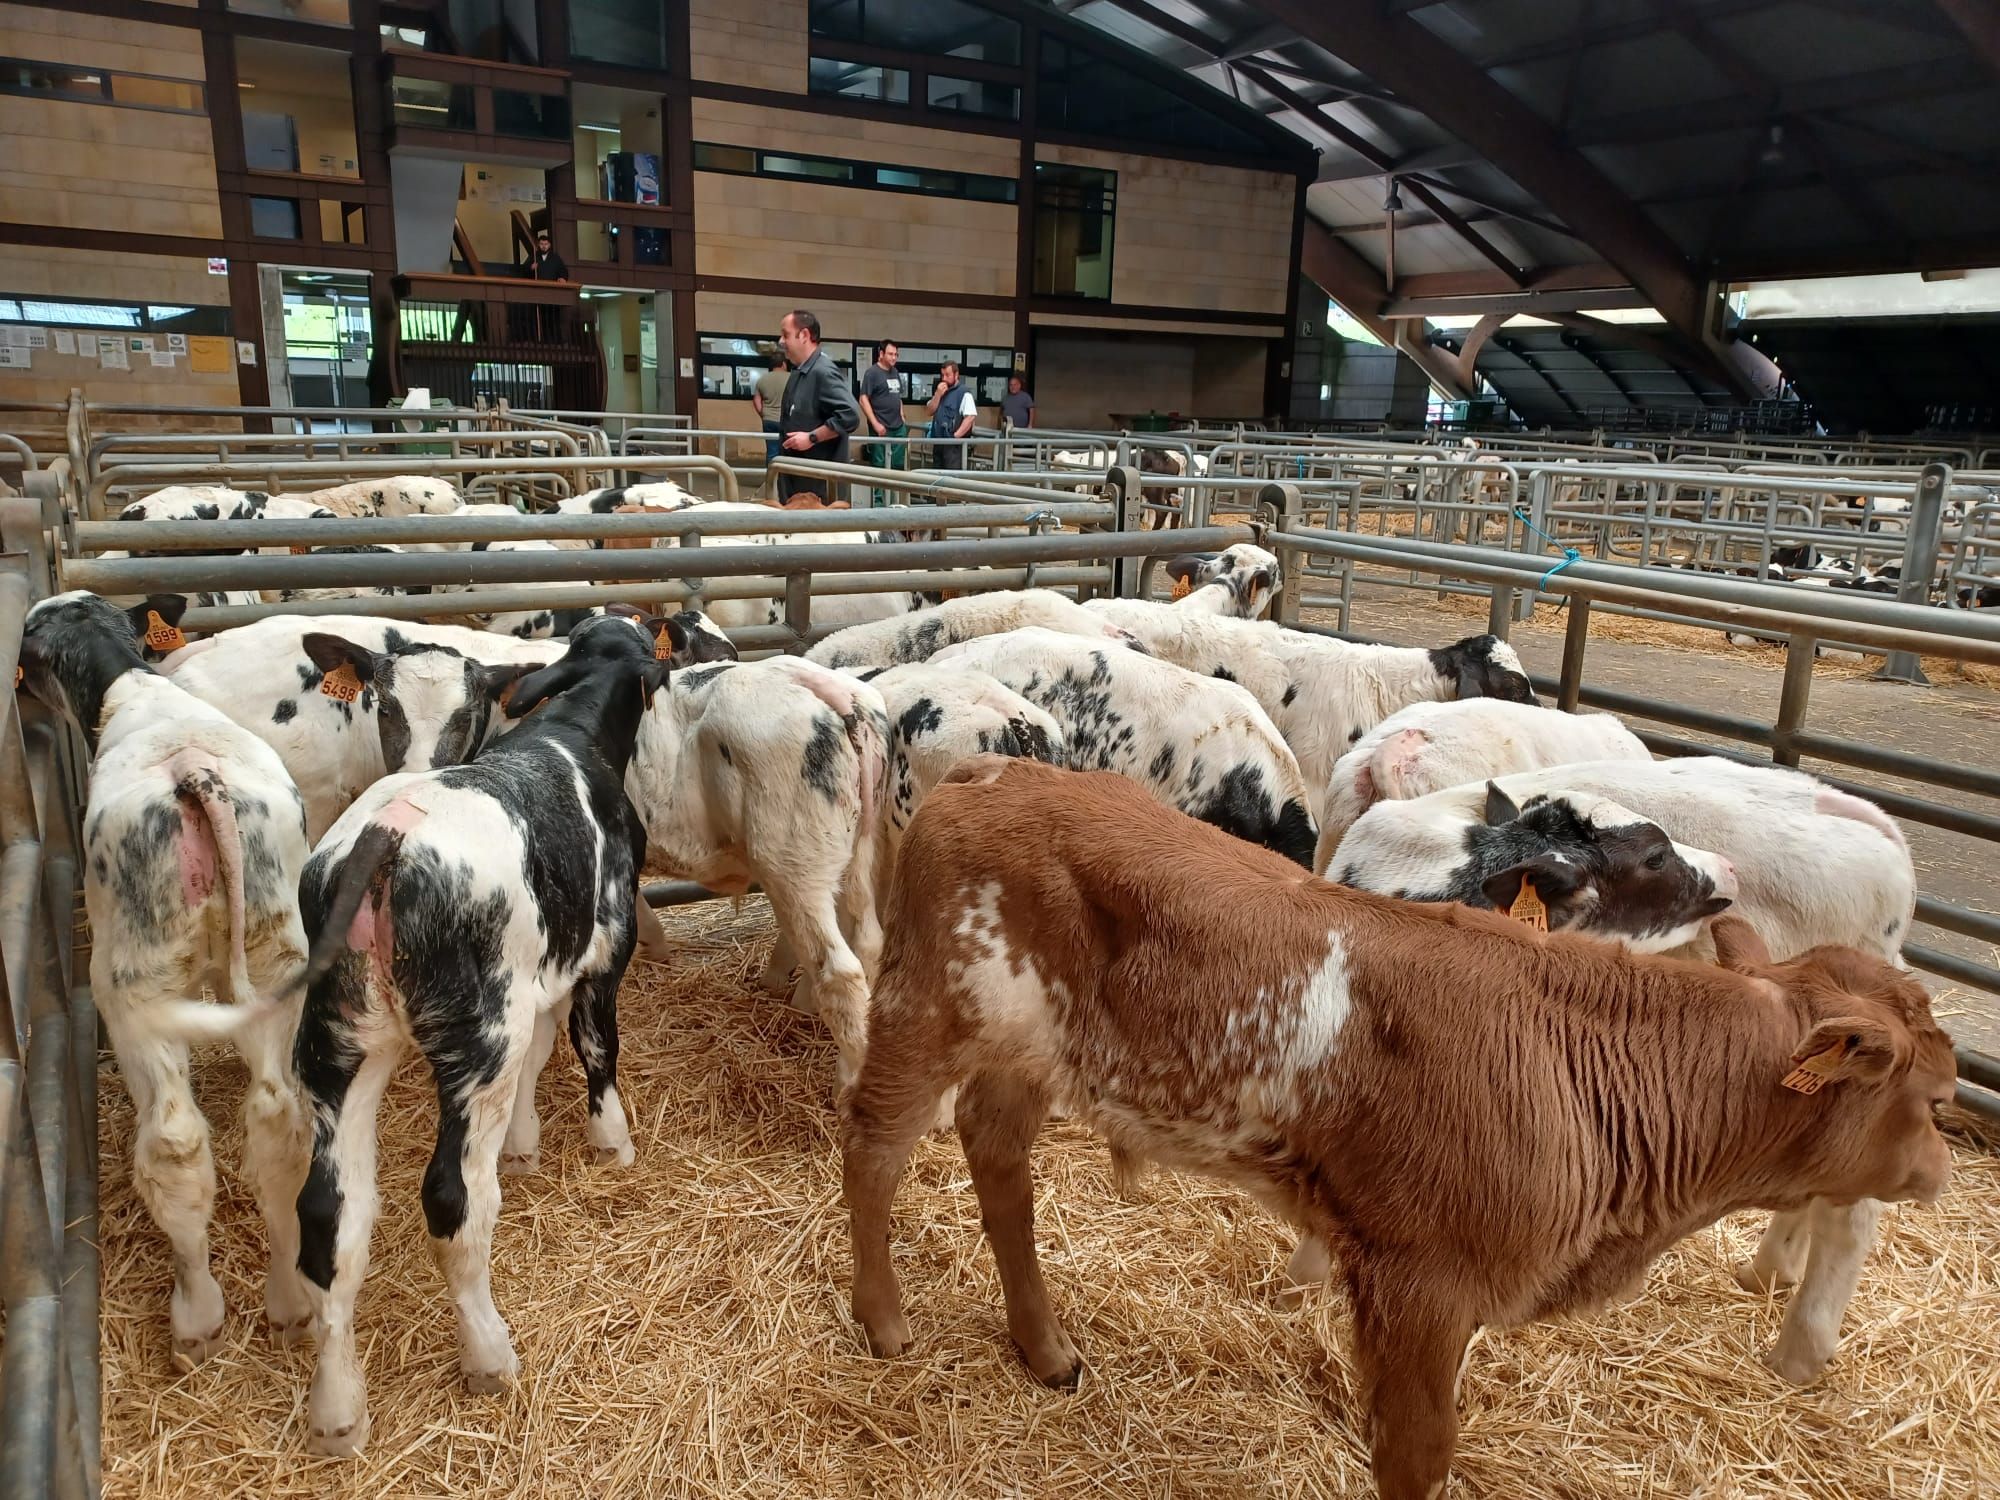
(1505, 211)
(1460, 227)
(1332, 265)
(1590, 276)
(1318, 118)
(1534, 304)
(1426, 70)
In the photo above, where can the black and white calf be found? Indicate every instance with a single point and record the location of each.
(918, 637)
(1201, 745)
(214, 502)
(1240, 581)
(1323, 694)
(193, 842)
(345, 700)
(467, 911)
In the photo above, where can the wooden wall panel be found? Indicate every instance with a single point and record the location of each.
(729, 123)
(1193, 235)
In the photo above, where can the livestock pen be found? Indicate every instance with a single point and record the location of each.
(683, 1325)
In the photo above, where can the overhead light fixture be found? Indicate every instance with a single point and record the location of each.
(604, 129)
(242, 85)
(1394, 202)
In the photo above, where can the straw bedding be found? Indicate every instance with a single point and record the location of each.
(682, 1325)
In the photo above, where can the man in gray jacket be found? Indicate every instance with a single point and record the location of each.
(819, 410)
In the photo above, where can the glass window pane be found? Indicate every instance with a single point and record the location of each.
(938, 28)
(630, 33)
(1075, 214)
(711, 158)
(274, 218)
(543, 117)
(818, 168)
(157, 93)
(1088, 94)
(846, 80)
(55, 80)
(433, 105)
(973, 96)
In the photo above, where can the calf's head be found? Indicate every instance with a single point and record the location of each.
(1483, 666)
(1868, 1074)
(433, 707)
(1250, 574)
(1599, 867)
(73, 647)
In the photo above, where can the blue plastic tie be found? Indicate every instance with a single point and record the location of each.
(1569, 554)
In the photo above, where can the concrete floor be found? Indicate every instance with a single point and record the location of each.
(1955, 721)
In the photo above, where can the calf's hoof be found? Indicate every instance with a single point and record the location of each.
(520, 1163)
(1797, 1366)
(1063, 1376)
(341, 1442)
(287, 1333)
(616, 1156)
(1763, 1283)
(197, 1348)
(887, 1338)
(1054, 1362)
(493, 1382)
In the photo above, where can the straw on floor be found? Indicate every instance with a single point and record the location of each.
(683, 1330)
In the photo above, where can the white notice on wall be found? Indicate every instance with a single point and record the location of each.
(12, 358)
(142, 343)
(38, 338)
(246, 352)
(111, 354)
(163, 357)
(178, 342)
(65, 341)
(13, 336)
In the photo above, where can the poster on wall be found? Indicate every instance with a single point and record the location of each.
(208, 355)
(140, 343)
(178, 342)
(65, 341)
(16, 357)
(38, 338)
(246, 352)
(13, 336)
(163, 357)
(111, 354)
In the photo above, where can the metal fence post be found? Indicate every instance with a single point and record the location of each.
(1576, 640)
(1800, 649)
(1127, 501)
(1285, 506)
(1920, 550)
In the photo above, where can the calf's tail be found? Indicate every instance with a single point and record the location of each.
(362, 875)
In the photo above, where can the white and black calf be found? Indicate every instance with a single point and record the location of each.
(396, 700)
(920, 636)
(215, 502)
(1201, 745)
(1240, 581)
(468, 911)
(194, 837)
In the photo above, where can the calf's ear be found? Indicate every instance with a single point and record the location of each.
(1190, 569)
(538, 686)
(1555, 881)
(1500, 808)
(497, 682)
(1839, 1047)
(1737, 945)
(332, 652)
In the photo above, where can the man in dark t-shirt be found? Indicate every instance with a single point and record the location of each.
(1017, 406)
(882, 411)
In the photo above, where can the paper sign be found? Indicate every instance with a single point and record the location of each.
(162, 357)
(218, 266)
(687, 369)
(38, 338)
(13, 337)
(208, 355)
(177, 342)
(15, 359)
(246, 352)
(111, 353)
(140, 343)
(65, 341)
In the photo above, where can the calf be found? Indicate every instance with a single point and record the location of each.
(1430, 746)
(193, 839)
(214, 502)
(403, 495)
(345, 700)
(1313, 1045)
(471, 911)
(1239, 582)
(1322, 693)
(772, 773)
(659, 494)
(917, 637)
(1810, 865)
(1200, 745)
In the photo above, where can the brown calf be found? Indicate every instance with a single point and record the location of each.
(1488, 1124)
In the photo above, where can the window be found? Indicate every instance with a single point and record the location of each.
(274, 218)
(325, 12)
(431, 104)
(63, 312)
(297, 107)
(1084, 93)
(630, 33)
(973, 96)
(847, 80)
(43, 80)
(617, 144)
(732, 364)
(1075, 212)
(745, 161)
(936, 28)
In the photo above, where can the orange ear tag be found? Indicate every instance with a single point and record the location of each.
(298, 551)
(1183, 586)
(663, 645)
(341, 683)
(160, 635)
(1810, 1076)
(1529, 908)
